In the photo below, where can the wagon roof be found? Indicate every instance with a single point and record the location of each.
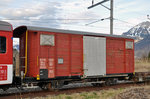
(5, 26)
(22, 29)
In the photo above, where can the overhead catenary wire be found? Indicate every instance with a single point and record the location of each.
(52, 19)
(97, 21)
(80, 19)
(110, 9)
(123, 21)
(61, 20)
(88, 25)
(68, 24)
(88, 19)
(108, 18)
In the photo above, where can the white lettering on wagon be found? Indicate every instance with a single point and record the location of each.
(42, 63)
(51, 62)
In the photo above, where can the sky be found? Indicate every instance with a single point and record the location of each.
(74, 15)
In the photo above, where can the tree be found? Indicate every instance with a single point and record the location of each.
(148, 56)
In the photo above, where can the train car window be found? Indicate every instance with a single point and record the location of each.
(129, 45)
(2, 44)
(60, 60)
(46, 39)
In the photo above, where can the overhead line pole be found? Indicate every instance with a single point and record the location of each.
(97, 4)
(111, 12)
(111, 17)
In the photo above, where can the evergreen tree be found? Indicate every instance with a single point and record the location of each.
(148, 56)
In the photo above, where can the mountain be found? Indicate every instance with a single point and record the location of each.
(141, 33)
(16, 47)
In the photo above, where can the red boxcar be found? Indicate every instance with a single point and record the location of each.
(51, 53)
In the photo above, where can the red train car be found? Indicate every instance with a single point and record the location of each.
(54, 53)
(50, 54)
(6, 52)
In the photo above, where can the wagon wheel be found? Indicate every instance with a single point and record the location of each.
(57, 84)
(45, 86)
(49, 87)
(5, 88)
(108, 82)
(19, 87)
(42, 86)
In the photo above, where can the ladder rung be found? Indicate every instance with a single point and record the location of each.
(22, 57)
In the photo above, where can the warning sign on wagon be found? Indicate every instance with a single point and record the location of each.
(3, 73)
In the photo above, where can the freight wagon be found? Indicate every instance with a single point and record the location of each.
(51, 58)
(54, 57)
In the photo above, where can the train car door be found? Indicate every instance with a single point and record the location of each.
(94, 55)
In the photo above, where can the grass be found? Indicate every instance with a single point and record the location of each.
(142, 65)
(102, 94)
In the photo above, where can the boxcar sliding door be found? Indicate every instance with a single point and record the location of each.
(94, 56)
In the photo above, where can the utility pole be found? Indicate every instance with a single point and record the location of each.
(111, 17)
(111, 12)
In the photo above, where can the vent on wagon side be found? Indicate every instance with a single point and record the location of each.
(46, 39)
(129, 45)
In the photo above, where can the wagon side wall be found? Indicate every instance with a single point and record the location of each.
(64, 58)
(119, 58)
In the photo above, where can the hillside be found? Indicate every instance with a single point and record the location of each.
(141, 33)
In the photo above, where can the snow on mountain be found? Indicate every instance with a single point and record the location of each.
(140, 30)
(141, 33)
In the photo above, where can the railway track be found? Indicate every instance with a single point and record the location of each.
(14, 93)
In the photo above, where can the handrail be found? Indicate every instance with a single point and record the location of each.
(26, 48)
